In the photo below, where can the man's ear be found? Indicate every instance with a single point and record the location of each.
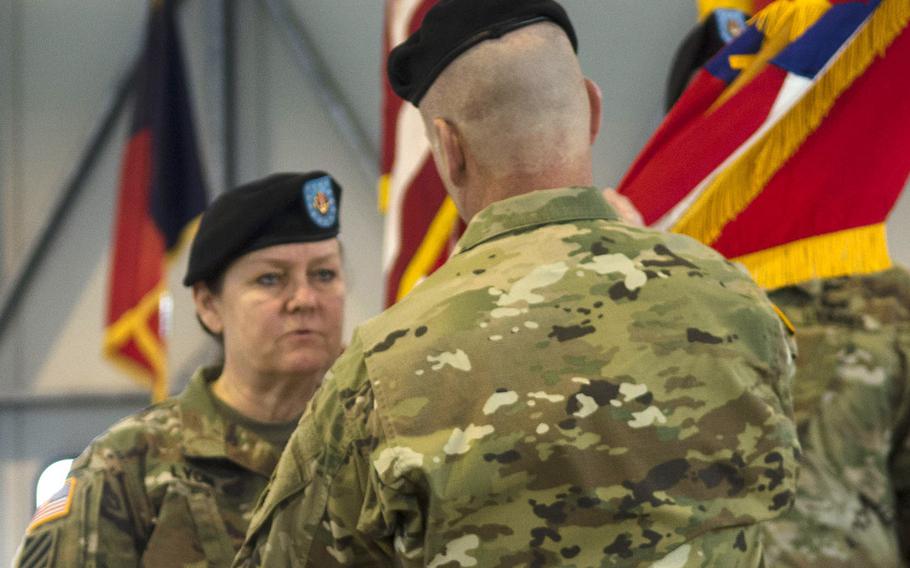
(451, 149)
(208, 308)
(595, 102)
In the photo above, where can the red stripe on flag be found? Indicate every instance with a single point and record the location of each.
(848, 173)
(137, 239)
(392, 103)
(161, 191)
(675, 165)
(138, 256)
(422, 201)
(695, 101)
(424, 195)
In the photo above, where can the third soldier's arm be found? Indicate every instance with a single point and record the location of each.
(900, 460)
(97, 524)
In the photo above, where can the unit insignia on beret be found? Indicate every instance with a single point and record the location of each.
(730, 24)
(319, 200)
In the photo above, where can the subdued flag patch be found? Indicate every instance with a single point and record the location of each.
(56, 507)
(37, 551)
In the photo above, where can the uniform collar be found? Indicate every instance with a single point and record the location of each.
(206, 435)
(534, 209)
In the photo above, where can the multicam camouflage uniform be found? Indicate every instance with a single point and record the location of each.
(567, 390)
(172, 486)
(852, 406)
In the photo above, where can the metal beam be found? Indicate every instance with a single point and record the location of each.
(10, 126)
(315, 73)
(70, 401)
(218, 119)
(12, 299)
(228, 93)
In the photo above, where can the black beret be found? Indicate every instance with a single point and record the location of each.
(452, 27)
(280, 209)
(707, 38)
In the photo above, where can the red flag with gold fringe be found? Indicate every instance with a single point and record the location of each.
(422, 224)
(788, 149)
(162, 190)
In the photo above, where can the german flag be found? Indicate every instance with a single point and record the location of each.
(162, 190)
(788, 150)
(422, 224)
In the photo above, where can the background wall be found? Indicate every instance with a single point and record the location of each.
(60, 62)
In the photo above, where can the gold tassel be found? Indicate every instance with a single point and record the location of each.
(781, 22)
(862, 250)
(384, 187)
(790, 18)
(738, 185)
(435, 239)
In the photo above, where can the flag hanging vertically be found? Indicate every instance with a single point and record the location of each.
(789, 149)
(162, 190)
(421, 224)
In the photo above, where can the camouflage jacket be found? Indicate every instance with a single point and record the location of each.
(171, 486)
(566, 390)
(852, 406)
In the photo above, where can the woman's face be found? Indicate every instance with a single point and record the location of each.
(280, 309)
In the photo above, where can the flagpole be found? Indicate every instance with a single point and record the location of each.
(12, 298)
(229, 99)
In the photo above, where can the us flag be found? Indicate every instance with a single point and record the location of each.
(422, 224)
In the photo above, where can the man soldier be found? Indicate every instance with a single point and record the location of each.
(567, 389)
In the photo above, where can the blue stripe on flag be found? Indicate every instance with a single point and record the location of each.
(748, 43)
(808, 55)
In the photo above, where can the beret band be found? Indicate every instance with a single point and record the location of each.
(452, 27)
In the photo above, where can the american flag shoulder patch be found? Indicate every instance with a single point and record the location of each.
(56, 507)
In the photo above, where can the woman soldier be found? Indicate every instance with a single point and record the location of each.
(175, 484)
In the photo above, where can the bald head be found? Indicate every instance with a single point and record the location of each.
(521, 111)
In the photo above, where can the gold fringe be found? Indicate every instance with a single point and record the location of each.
(385, 182)
(184, 240)
(737, 186)
(435, 239)
(790, 18)
(854, 251)
(132, 325)
(782, 22)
